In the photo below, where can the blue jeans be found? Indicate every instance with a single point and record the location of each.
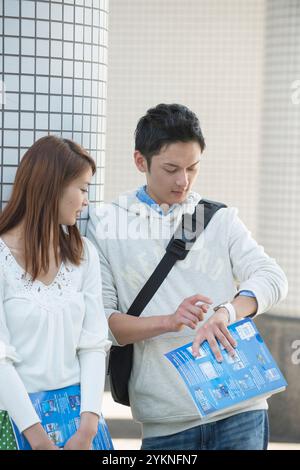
(244, 431)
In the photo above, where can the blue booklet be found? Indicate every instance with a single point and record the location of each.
(236, 381)
(59, 412)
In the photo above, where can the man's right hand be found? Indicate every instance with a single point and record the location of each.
(188, 313)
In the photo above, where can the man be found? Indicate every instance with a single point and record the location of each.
(225, 265)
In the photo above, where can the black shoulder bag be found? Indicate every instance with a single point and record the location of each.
(120, 360)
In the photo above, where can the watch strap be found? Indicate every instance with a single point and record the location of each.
(230, 309)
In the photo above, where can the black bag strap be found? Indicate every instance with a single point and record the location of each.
(177, 249)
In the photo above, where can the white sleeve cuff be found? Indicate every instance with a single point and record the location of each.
(92, 374)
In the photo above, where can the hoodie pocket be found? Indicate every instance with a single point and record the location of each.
(141, 370)
(157, 391)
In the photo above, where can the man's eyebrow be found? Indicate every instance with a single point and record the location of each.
(177, 166)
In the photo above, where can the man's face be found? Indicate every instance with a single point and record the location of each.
(172, 173)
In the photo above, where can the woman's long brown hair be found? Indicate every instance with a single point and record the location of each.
(47, 167)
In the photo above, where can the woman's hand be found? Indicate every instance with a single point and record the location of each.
(47, 444)
(215, 329)
(83, 438)
(38, 438)
(79, 441)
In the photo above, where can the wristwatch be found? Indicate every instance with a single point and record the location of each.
(230, 310)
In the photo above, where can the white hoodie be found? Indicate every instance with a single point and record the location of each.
(131, 239)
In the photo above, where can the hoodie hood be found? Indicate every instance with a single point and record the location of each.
(129, 202)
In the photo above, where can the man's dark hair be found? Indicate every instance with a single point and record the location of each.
(166, 124)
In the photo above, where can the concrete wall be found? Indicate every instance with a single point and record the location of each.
(278, 214)
(206, 54)
(279, 172)
(282, 335)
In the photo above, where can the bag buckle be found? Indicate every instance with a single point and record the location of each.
(177, 247)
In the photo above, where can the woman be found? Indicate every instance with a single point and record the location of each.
(53, 331)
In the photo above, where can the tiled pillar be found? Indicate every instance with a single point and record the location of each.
(53, 70)
(279, 198)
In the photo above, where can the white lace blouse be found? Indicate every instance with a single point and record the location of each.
(51, 336)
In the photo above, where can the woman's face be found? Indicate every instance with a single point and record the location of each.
(74, 199)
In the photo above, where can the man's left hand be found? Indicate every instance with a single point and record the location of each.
(215, 329)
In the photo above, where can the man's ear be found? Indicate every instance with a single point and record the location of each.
(140, 161)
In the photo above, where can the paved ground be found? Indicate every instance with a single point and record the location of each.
(126, 433)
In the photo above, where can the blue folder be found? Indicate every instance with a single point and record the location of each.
(59, 412)
(235, 382)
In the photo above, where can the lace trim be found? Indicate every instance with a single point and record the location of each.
(61, 285)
